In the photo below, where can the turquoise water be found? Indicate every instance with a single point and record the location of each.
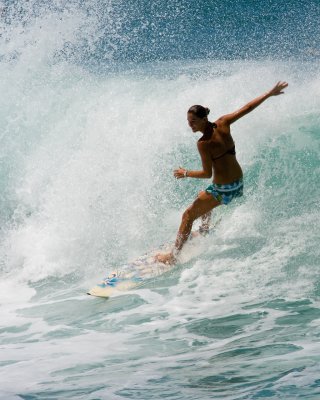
(87, 155)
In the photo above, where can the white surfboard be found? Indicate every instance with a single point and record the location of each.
(134, 274)
(129, 276)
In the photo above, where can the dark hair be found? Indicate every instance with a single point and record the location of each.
(199, 111)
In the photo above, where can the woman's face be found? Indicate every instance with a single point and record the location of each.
(196, 123)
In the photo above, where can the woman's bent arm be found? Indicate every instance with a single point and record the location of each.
(206, 171)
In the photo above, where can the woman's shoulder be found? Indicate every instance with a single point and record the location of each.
(222, 127)
(203, 144)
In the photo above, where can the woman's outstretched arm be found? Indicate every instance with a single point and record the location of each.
(233, 117)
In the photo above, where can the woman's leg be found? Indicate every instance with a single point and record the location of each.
(201, 207)
(205, 223)
(204, 203)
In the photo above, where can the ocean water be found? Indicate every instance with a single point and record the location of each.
(93, 121)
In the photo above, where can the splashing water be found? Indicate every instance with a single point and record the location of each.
(93, 121)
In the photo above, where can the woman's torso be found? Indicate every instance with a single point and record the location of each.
(220, 146)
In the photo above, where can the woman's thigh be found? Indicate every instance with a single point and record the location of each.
(204, 203)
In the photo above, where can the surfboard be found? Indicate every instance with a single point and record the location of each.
(129, 276)
(134, 274)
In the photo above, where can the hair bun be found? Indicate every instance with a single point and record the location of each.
(207, 110)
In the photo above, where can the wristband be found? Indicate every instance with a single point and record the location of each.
(185, 174)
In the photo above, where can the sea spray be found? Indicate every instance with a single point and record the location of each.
(88, 145)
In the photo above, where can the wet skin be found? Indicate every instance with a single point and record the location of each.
(215, 142)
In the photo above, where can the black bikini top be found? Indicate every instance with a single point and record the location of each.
(231, 151)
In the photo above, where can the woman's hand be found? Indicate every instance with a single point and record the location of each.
(278, 89)
(180, 173)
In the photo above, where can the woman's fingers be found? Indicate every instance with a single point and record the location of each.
(179, 173)
(278, 89)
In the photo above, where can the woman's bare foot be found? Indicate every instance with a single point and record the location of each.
(165, 258)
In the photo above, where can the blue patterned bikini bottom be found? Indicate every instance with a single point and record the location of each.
(225, 193)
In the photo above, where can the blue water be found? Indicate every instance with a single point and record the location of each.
(93, 121)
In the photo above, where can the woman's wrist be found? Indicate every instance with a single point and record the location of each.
(185, 173)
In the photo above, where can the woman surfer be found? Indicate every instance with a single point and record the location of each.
(218, 156)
